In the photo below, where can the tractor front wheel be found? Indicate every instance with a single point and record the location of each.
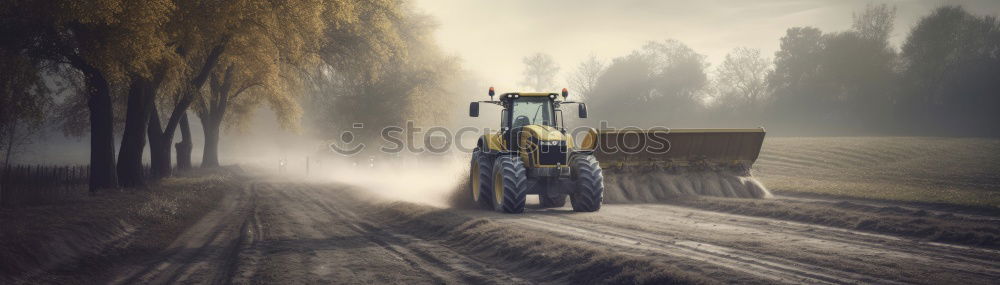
(589, 192)
(480, 179)
(509, 184)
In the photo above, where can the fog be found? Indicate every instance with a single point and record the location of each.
(491, 37)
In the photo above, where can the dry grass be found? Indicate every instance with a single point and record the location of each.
(958, 171)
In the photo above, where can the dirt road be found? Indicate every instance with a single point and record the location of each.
(283, 232)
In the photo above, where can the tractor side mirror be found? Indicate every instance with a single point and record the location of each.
(474, 109)
(582, 110)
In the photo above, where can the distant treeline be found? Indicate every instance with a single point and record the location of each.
(943, 80)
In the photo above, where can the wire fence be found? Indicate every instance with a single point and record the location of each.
(32, 185)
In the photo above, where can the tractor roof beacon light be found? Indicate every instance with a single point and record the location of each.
(492, 92)
(565, 93)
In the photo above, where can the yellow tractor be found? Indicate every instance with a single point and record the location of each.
(532, 153)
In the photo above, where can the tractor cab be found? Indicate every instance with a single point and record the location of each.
(529, 109)
(522, 109)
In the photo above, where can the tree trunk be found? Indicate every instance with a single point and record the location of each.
(159, 148)
(6, 160)
(161, 137)
(166, 137)
(140, 101)
(195, 86)
(184, 147)
(102, 138)
(211, 117)
(210, 157)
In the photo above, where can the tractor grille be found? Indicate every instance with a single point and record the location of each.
(552, 154)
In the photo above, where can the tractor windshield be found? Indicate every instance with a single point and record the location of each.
(532, 111)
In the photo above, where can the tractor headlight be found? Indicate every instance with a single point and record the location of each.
(552, 96)
(516, 96)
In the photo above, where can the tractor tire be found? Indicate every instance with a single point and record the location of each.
(480, 179)
(509, 184)
(552, 200)
(589, 179)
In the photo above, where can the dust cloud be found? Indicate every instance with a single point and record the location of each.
(424, 182)
(445, 184)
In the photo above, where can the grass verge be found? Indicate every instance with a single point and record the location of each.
(79, 241)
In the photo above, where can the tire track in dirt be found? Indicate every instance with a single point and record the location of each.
(203, 252)
(308, 243)
(317, 228)
(449, 266)
(281, 232)
(985, 260)
(778, 271)
(848, 256)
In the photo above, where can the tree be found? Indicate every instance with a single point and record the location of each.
(741, 80)
(208, 32)
(619, 89)
(233, 86)
(951, 65)
(840, 81)
(140, 100)
(875, 23)
(796, 75)
(539, 72)
(202, 33)
(858, 79)
(104, 41)
(403, 79)
(663, 82)
(585, 78)
(24, 100)
(678, 74)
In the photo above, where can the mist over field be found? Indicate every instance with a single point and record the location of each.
(500, 142)
(870, 82)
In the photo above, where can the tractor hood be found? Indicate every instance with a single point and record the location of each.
(546, 133)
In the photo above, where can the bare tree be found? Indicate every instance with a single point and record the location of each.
(539, 72)
(585, 78)
(24, 99)
(741, 79)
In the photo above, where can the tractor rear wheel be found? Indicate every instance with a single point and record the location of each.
(480, 179)
(589, 192)
(509, 184)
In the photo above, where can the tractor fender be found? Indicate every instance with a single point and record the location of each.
(491, 143)
(589, 140)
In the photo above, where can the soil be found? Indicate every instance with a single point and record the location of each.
(815, 229)
(279, 231)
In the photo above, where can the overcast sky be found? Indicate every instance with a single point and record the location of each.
(492, 36)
